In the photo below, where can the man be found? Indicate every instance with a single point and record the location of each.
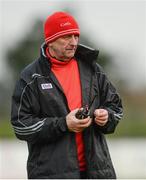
(46, 101)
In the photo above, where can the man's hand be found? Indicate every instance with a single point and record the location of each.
(77, 125)
(101, 116)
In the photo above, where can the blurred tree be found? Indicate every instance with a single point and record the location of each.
(26, 50)
(3, 100)
(104, 58)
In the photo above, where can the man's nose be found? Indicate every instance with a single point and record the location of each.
(74, 40)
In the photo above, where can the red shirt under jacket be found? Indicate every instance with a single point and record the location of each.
(67, 74)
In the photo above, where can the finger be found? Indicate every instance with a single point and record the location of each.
(100, 112)
(73, 112)
(86, 124)
(75, 130)
(83, 121)
(102, 118)
(103, 114)
(96, 112)
(79, 129)
(89, 123)
(101, 122)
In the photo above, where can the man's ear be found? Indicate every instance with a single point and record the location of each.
(49, 44)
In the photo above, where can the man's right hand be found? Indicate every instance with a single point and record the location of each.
(77, 125)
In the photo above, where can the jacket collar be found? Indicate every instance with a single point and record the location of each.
(83, 53)
(87, 53)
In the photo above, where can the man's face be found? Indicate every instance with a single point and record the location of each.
(64, 47)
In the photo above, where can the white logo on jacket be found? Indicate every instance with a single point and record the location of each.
(47, 86)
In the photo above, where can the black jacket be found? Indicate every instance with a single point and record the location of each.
(39, 109)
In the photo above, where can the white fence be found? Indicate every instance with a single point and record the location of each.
(128, 156)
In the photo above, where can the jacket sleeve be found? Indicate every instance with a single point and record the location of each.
(109, 100)
(26, 120)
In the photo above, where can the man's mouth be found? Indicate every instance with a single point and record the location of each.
(71, 49)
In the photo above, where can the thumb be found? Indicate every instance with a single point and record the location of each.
(73, 112)
(97, 112)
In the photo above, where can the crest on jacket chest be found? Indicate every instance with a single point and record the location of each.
(46, 86)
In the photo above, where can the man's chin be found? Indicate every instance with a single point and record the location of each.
(68, 58)
(70, 55)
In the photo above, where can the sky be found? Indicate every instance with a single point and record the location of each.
(117, 26)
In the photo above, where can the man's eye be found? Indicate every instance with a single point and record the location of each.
(66, 37)
(76, 37)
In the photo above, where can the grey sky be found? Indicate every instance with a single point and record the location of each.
(117, 26)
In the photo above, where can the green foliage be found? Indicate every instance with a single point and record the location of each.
(6, 130)
(130, 128)
(133, 123)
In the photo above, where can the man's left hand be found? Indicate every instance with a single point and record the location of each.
(101, 116)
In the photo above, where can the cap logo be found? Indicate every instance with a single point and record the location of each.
(65, 24)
